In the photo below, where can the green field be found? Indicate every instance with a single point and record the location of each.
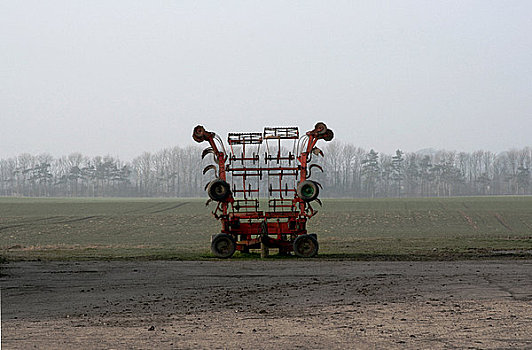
(428, 228)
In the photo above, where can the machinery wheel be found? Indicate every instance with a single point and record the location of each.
(306, 246)
(197, 135)
(218, 190)
(328, 135)
(223, 246)
(308, 190)
(320, 128)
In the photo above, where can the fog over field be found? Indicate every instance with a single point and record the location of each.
(124, 77)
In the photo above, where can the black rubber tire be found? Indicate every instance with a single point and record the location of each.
(223, 245)
(328, 135)
(197, 134)
(308, 190)
(320, 127)
(306, 246)
(218, 190)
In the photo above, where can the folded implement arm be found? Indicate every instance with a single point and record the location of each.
(240, 176)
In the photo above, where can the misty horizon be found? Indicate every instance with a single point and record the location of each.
(123, 78)
(421, 151)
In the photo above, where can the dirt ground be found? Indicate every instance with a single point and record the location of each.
(275, 304)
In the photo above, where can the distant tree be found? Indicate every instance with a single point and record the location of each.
(333, 162)
(348, 157)
(356, 172)
(483, 184)
(386, 175)
(370, 172)
(8, 176)
(142, 167)
(412, 175)
(398, 171)
(40, 176)
(425, 175)
(523, 180)
(512, 160)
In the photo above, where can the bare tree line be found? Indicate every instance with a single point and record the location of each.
(353, 171)
(350, 171)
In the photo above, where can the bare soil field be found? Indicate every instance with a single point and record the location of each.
(275, 304)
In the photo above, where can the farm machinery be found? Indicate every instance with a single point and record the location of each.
(256, 163)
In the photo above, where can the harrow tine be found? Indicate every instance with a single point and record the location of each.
(209, 167)
(206, 185)
(319, 202)
(319, 185)
(316, 166)
(316, 151)
(206, 151)
(313, 166)
(208, 202)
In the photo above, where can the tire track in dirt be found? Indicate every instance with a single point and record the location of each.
(76, 220)
(170, 208)
(36, 222)
(143, 209)
(30, 222)
(501, 221)
(50, 220)
(12, 226)
(469, 220)
(526, 224)
(147, 209)
(505, 289)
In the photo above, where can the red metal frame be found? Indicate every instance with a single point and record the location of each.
(241, 217)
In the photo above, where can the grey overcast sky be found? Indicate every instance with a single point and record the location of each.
(124, 77)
